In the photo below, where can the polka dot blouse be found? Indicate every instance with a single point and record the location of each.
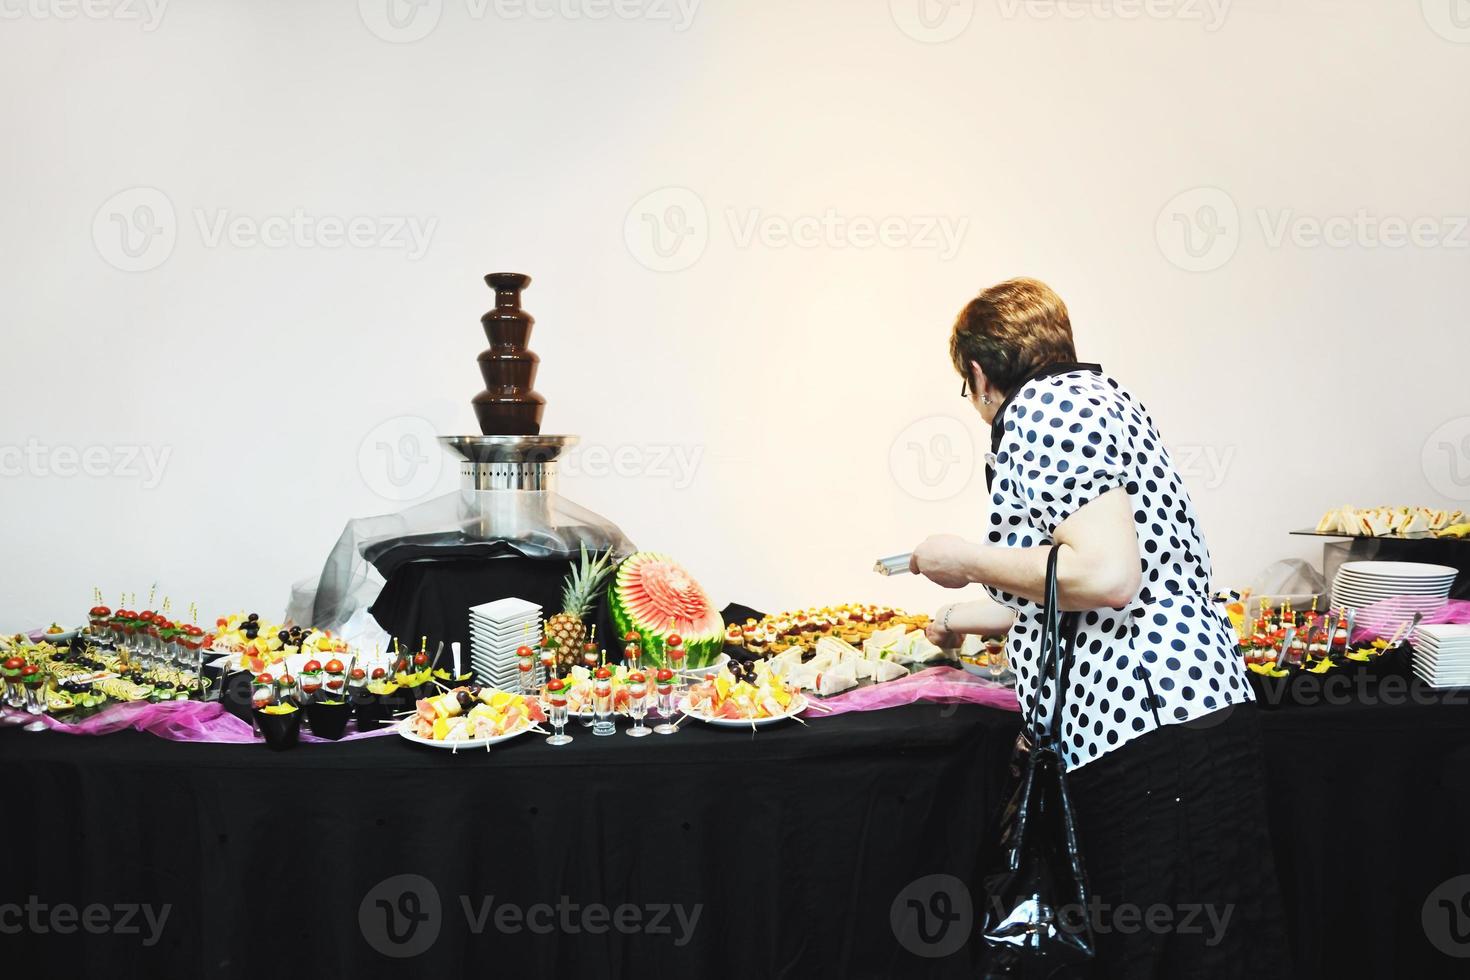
(1169, 656)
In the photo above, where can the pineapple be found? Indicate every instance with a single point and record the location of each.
(578, 596)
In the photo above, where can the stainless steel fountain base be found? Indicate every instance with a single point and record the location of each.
(507, 462)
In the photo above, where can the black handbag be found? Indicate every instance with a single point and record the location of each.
(1036, 919)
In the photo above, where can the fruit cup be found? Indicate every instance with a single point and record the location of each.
(280, 724)
(556, 700)
(602, 699)
(34, 682)
(637, 702)
(328, 718)
(665, 679)
(14, 691)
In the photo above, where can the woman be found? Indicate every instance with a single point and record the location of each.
(1158, 729)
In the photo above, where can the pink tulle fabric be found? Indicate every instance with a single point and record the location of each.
(183, 721)
(1452, 611)
(943, 684)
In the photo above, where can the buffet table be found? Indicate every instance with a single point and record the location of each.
(792, 846)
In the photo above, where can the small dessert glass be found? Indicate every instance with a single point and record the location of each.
(638, 707)
(558, 703)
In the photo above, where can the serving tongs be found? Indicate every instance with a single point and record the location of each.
(893, 564)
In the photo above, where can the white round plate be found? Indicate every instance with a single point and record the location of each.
(41, 636)
(1399, 569)
(473, 743)
(697, 673)
(796, 707)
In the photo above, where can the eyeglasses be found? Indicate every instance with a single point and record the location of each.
(965, 389)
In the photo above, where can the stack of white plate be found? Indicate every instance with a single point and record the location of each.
(1415, 587)
(497, 630)
(1442, 655)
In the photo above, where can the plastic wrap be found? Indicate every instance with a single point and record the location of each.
(486, 524)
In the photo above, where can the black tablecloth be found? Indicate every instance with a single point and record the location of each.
(792, 843)
(795, 844)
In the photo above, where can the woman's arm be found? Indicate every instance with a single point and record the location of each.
(1098, 565)
(983, 617)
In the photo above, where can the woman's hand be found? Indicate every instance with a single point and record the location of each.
(943, 559)
(939, 636)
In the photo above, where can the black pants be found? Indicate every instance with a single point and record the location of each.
(1173, 833)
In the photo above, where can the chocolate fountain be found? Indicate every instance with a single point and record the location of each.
(506, 532)
(510, 453)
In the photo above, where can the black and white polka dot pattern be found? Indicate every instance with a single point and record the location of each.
(1169, 656)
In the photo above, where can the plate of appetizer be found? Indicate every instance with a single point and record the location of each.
(55, 633)
(458, 719)
(752, 698)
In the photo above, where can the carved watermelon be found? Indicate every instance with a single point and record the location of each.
(655, 597)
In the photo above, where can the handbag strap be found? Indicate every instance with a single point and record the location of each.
(1054, 661)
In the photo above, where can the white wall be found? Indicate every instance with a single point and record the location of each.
(1060, 143)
